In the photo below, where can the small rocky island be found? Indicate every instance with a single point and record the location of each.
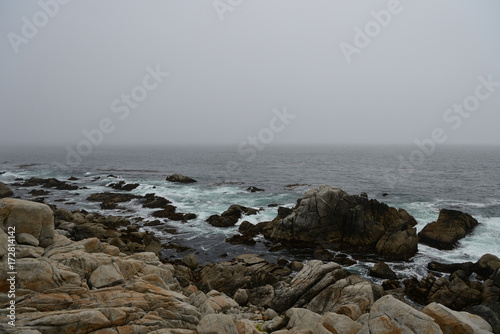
(82, 272)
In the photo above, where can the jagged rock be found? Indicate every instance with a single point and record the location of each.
(39, 192)
(152, 243)
(261, 296)
(457, 296)
(28, 217)
(110, 200)
(155, 202)
(312, 273)
(382, 270)
(420, 291)
(331, 218)
(219, 302)
(325, 281)
(283, 212)
(462, 274)
(238, 239)
(450, 227)
(231, 216)
(350, 290)
(486, 265)
(450, 267)
(248, 229)
(457, 322)
(399, 242)
(39, 275)
(123, 186)
(391, 284)
(48, 183)
(489, 312)
(5, 191)
(243, 272)
(389, 315)
(179, 178)
(490, 291)
(254, 189)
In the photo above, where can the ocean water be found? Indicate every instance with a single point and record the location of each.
(462, 178)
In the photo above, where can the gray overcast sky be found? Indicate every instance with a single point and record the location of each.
(227, 76)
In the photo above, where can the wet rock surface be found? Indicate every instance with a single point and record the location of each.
(84, 272)
(450, 227)
(231, 216)
(331, 218)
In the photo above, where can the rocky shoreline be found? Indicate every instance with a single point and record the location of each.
(82, 272)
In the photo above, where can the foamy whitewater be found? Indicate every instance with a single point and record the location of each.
(460, 178)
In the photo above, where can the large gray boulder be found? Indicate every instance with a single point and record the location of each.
(245, 271)
(331, 218)
(351, 290)
(389, 315)
(457, 322)
(312, 273)
(450, 227)
(28, 217)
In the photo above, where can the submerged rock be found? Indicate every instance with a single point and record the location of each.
(123, 186)
(450, 227)
(48, 183)
(110, 200)
(39, 192)
(179, 178)
(382, 270)
(238, 239)
(254, 189)
(331, 218)
(231, 216)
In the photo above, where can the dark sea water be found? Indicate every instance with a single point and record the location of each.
(462, 178)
